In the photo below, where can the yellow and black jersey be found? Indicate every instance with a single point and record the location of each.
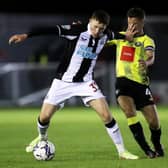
(128, 54)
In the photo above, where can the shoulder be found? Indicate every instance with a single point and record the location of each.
(149, 43)
(147, 37)
(73, 29)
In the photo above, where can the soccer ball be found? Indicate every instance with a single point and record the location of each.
(44, 150)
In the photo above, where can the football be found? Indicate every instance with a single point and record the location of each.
(44, 150)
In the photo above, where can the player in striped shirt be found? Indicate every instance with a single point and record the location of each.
(74, 75)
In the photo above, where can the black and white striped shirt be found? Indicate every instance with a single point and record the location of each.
(80, 56)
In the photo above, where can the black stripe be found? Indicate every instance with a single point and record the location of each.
(66, 58)
(90, 41)
(95, 45)
(85, 65)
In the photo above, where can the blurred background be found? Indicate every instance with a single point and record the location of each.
(27, 69)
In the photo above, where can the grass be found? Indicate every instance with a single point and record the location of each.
(80, 138)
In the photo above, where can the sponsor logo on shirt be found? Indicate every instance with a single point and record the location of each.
(86, 52)
(127, 53)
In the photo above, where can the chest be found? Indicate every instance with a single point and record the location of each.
(89, 47)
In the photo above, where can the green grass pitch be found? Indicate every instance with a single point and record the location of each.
(79, 136)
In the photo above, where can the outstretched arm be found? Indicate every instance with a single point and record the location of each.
(54, 30)
(37, 31)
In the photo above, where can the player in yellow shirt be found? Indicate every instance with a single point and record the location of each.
(132, 83)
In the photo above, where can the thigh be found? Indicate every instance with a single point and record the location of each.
(89, 91)
(47, 111)
(127, 105)
(58, 92)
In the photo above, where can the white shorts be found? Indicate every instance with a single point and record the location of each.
(61, 91)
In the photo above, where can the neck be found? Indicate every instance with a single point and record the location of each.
(140, 33)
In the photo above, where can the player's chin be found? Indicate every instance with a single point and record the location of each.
(96, 35)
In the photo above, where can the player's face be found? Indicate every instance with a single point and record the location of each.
(138, 23)
(96, 28)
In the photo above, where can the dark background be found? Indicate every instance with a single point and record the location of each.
(114, 7)
(18, 16)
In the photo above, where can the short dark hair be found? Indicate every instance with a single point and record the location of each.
(136, 12)
(102, 16)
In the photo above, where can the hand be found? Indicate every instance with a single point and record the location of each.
(17, 38)
(130, 32)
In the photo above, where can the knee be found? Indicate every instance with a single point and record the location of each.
(154, 124)
(129, 112)
(45, 117)
(106, 117)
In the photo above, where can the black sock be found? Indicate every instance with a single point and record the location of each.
(138, 134)
(111, 124)
(155, 137)
(43, 124)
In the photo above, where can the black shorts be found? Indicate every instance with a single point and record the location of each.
(140, 93)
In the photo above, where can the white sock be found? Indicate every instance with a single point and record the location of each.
(42, 130)
(115, 135)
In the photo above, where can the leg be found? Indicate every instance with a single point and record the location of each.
(47, 112)
(102, 109)
(43, 123)
(128, 107)
(150, 114)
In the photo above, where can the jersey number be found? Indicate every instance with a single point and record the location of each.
(94, 86)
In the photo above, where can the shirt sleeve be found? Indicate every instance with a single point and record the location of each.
(149, 44)
(59, 30)
(118, 35)
(37, 31)
(115, 37)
